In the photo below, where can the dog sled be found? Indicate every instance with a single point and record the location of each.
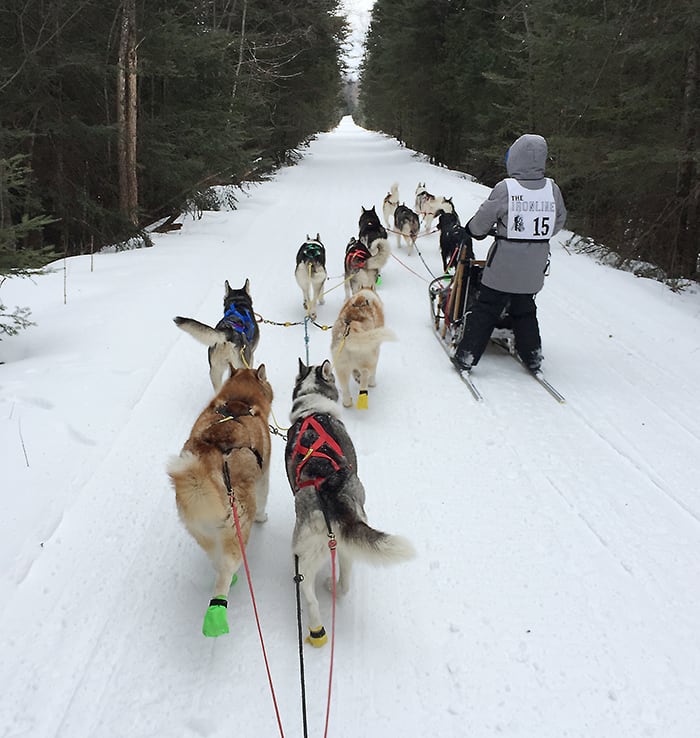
(451, 298)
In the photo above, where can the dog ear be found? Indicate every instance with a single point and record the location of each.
(246, 287)
(227, 287)
(318, 236)
(327, 370)
(262, 373)
(308, 238)
(302, 366)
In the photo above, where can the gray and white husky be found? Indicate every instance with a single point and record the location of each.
(235, 337)
(428, 206)
(407, 226)
(329, 497)
(310, 273)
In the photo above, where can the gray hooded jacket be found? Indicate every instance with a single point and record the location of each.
(517, 266)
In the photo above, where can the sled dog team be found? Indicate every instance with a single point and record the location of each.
(222, 475)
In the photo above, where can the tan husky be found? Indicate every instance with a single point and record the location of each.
(357, 335)
(231, 432)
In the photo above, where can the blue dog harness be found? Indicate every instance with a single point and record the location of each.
(241, 321)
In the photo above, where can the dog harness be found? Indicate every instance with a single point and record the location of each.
(241, 321)
(312, 250)
(324, 440)
(356, 257)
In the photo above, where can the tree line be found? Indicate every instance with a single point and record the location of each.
(612, 85)
(114, 113)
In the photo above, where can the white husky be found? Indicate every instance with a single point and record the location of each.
(390, 202)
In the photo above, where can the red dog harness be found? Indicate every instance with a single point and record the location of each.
(323, 439)
(356, 257)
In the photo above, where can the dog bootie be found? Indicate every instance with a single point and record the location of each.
(215, 622)
(317, 638)
(362, 400)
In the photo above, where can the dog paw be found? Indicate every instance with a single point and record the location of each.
(317, 638)
(215, 622)
(347, 402)
(261, 517)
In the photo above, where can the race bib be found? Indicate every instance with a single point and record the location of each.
(531, 213)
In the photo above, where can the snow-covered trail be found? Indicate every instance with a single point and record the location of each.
(555, 591)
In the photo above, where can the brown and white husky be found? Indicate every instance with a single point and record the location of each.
(231, 436)
(357, 334)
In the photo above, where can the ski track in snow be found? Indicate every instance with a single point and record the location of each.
(555, 588)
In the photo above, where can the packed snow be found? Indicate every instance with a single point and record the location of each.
(555, 588)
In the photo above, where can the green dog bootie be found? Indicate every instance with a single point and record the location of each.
(215, 622)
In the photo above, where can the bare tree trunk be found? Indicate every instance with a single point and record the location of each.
(127, 113)
(687, 239)
(240, 55)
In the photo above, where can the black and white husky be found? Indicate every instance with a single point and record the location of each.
(407, 226)
(362, 264)
(321, 466)
(311, 274)
(452, 236)
(235, 337)
(370, 229)
(391, 200)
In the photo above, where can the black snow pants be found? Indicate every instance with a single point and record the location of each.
(484, 316)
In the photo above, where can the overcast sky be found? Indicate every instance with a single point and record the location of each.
(358, 13)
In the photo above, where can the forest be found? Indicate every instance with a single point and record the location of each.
(611, 84)
(116, 114)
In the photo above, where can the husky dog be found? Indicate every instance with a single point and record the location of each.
(230, 436)
(452, 236)
(235, 337)
(362, 264)
(370, 229)
(390, 202)
(356, 337)
(310, 273)
(428, 206)
(407, 226)
(355, 263)
(321, 466)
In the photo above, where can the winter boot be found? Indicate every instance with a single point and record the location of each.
(463, 360)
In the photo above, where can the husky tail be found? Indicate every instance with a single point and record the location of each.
(200, 331)
(345, 515)
(367, 339)
(380, 252)
(197, 493)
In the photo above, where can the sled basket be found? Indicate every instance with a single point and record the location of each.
(451, 298)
